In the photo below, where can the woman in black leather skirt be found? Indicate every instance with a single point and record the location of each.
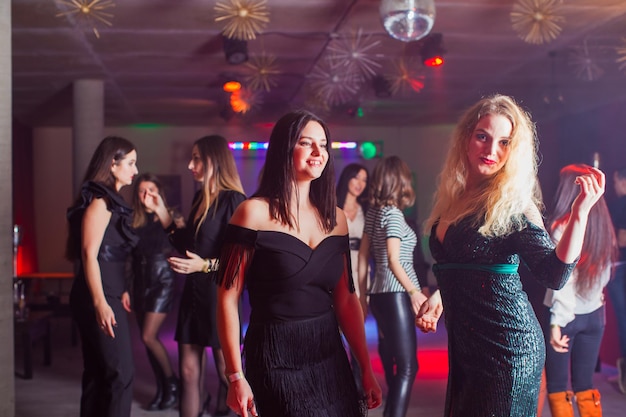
(153, 284)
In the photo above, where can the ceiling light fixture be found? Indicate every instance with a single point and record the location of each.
(231, 86)
(236, 51)
(432, 51)
(407, 20)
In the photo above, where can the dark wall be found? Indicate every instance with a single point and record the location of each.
(574, 139)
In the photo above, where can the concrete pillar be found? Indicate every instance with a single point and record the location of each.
(7, 387)
(88, 125)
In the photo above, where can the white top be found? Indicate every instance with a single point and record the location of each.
(566, 303)
(355, 231)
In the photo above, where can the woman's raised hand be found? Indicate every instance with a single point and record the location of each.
(592, 187)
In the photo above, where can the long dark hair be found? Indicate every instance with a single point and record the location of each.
(278, 179)
(351, 171)
(111, 150)
(600, 244)
(139, 211)
(216, 154)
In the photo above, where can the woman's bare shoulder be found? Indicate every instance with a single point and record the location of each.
(253, 214)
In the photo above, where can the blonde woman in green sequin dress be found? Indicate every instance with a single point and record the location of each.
(486, 219)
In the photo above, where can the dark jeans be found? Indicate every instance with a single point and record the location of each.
(397, 347)
(585, 333)
(617, 292)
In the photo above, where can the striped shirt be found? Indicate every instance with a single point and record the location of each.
(382, 223)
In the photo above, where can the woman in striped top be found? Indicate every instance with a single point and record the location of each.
(395, 293)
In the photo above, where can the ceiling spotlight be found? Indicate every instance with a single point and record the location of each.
(432, 51)
(407, 20)
(231, 86)
(236, 50)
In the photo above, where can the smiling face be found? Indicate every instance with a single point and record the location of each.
(488, 148)
(357, 184)
(124, 170)
(196, 165)
(310, 154)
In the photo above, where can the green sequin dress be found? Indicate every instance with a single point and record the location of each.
(495, 345)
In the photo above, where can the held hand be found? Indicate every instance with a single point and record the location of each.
(417, 299)
(126, 301)
(559, 342)
(591, 189)
(106, 319)
(240, 399)
(193, 263)
(429, 313)
(373, 393)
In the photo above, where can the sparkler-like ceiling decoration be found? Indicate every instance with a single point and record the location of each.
(244, 18)
(584, 63)
(406, 77)
(88, 12)
(332, 83)
(353, 54)
(537, 21)
(263, 73)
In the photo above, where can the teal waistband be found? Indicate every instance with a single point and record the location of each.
(495, 268)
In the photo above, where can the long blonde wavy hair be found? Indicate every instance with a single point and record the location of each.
(498, 203)
(223, 175)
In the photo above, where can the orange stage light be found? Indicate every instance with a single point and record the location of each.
(231, 86)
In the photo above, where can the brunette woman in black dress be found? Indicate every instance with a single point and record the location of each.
(99, 243)
(288, 245)
(212, 165)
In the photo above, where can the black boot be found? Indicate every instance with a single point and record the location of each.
(159, 377)
(170, 393)
(155, 404)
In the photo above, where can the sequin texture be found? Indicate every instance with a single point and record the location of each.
(495, 344)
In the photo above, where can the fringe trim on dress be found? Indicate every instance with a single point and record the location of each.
(300, 369)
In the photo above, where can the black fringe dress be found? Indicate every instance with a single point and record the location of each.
(294, 358)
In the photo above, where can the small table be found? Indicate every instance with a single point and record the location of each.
(36, 326)
(55, 302)
(59, 277)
